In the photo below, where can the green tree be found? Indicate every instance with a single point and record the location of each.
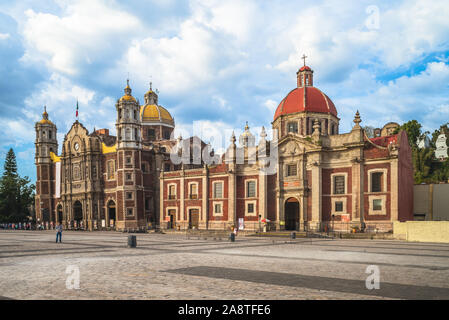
(413, 129)
(16, 193)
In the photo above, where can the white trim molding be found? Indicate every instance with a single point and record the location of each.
(340, 199)
(254, 202)
(333, 175)
(371, 210)
(217, 214)
(385, 177)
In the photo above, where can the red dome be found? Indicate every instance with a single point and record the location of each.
(305, 68)
(315, 101)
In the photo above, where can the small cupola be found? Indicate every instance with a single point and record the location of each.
(304, 75)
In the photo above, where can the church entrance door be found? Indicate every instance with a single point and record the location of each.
(291, 214)
(194, 217)
(78, 214)
(111, 213)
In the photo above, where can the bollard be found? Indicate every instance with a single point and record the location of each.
(232, 237)
(132, 241)
(293, 235)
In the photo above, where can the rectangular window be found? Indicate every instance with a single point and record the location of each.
(377, 204)
(166, 135)
(250, 207)
(94, 172)
(167, 167)
(217, 208)
(129, 211)
(339, 184)
(171, 192)
(144, 168)
(293, 127)
(292, 170)
(339, 206)
(193, 191)
(251, 189)
(151, 134)
(129, 177)
(129, 195)
(376, 181)
(128, 160)
(218, 190)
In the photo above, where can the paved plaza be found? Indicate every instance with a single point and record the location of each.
(171, 266)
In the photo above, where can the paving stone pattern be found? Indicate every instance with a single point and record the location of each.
(170, 266)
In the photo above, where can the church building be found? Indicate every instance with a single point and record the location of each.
(320, 178)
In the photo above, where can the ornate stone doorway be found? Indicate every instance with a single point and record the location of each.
(111, 213)
(78, 214)
(291, 211)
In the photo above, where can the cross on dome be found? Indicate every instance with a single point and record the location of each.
(304, 58)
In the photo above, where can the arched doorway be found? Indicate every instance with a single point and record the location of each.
(59, 213)
(77, 213)
(111, 213)
(291, 211)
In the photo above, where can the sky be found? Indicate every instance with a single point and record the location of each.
(217, 64)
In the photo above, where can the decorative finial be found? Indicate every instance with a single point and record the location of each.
(357, 119)
(151, 85)
(233, 137)
(45, 114)
(304, 58)
(246, 126)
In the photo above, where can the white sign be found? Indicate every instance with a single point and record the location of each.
(241, 224)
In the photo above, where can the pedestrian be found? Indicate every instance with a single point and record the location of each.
(59, 232)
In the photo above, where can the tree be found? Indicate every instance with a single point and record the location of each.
(369, 130)
(413, 130)
(16, 193)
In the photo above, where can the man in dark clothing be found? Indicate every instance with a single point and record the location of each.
(59, 232)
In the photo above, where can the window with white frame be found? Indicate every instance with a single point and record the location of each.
(376, 181)
(251, 189)
(250, 208)
(339, 184)
(171, 191)
(218, 208)
(292, 127)
(193, 190)
(218, 190)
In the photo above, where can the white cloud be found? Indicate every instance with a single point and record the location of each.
(87, 31)
(4, 36)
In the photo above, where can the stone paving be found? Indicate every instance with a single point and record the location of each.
(170, 266)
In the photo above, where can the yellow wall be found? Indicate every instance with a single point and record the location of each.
(422, 231)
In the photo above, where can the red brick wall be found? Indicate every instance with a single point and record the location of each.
(405, 179)
(326, 200)
(271, 197)
(224, 200)
(240, 202)
(367, 216)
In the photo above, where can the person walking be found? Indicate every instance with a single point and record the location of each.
(59, 232)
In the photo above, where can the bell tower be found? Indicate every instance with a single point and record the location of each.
(46, 147)
(129, 191)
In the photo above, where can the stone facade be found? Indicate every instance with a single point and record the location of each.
(309, 176)
(322, 179)
(100, 181)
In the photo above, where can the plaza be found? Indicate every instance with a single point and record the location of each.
(173, 266)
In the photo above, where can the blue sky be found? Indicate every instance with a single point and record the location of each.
(218, 64)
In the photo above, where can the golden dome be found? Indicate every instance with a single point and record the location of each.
(155, 113)
(45, 117)
(128, 97)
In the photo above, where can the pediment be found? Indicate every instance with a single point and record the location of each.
(295, 143)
